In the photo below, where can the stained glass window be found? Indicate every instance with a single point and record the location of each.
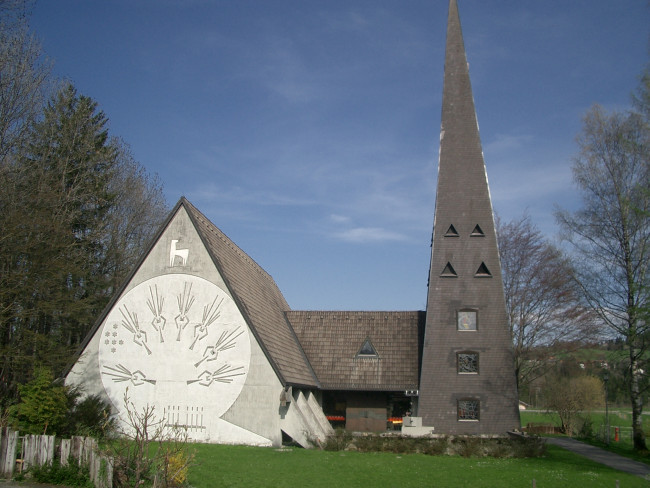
(468, 409)
(467, 320)
(467, 362)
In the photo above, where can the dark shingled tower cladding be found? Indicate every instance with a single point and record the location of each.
(467, 383)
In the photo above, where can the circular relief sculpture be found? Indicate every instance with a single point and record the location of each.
(178, 343)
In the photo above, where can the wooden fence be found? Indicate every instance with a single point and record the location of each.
(19, 453)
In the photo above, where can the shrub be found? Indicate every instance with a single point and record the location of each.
(136, 460)
(90, 416)
(176, 466)
(338, 441)
(43, 404)
(434, 447)
(55, 473)
(499, 448)
(529, 446)
(586, 430)
(467, 446)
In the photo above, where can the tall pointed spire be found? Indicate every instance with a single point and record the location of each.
(467, 383)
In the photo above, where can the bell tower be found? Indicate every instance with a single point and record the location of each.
(467, 382)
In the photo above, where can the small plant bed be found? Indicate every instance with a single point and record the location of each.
(71, 475)
(464, 446)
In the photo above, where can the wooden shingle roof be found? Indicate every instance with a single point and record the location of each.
(333, 340)
(260, 301)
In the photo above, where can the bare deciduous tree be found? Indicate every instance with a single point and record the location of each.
(24, 80)
(137, 211)
(541, 299)
(610, 234)
(569, 396)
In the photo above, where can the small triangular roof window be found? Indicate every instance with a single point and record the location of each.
(483, 271)
(449, 271)
(451, 232)
(477, 232)
(367, 350)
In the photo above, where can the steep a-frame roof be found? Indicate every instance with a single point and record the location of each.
(362, 350)
(259, 299)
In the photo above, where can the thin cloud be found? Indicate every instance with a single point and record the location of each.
(507, 142)
(362, 235)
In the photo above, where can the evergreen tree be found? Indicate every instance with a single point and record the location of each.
(80, 212)
(43, 405)
(67, 165)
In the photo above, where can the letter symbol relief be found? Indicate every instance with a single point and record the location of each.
(181, 253)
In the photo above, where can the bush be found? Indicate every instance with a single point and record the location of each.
(499, 448)
(55, 473)
(527, 447)
(338, 441)
(433, 447)
(43, 404)
(370, 443)
(465, 446)
(90, 416)
(136, 460)
(176, 465)
(586, 430)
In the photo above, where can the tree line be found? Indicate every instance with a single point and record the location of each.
(76, 209)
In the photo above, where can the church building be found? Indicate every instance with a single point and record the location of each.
(201, 332)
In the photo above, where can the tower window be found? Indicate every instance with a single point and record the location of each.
(467, 320)
(469, 409)
(477, 232)
(451, 232)
(467, 362)
(483, 272)
(449, 271)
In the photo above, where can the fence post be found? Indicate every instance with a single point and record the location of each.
(46, 449)
(28, 451)
(8, 442)
(77, 447)
(65, 451)
(101, 471)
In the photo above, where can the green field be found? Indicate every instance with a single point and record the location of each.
(250, 467)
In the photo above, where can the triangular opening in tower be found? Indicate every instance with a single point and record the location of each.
(483, 271)
(451, 232)
(477, 232)
(449, 271)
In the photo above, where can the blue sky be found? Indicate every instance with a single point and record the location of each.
(308, 130)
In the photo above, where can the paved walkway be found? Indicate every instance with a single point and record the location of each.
(602, 456)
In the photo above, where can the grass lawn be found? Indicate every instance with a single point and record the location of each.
(250, 467)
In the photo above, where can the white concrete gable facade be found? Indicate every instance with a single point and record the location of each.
(176, 340)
